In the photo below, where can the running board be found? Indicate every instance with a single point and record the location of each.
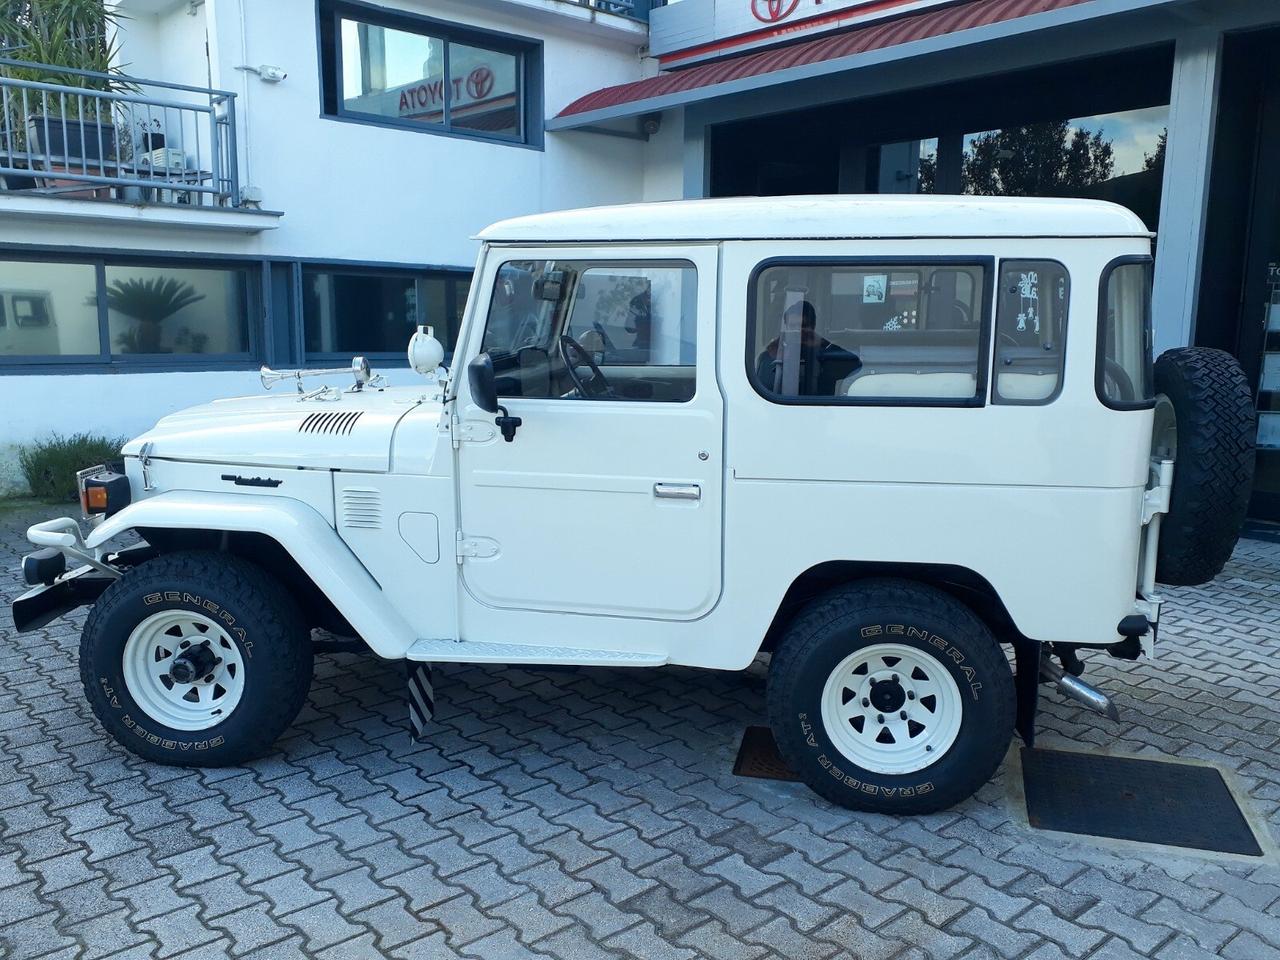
(467, 651)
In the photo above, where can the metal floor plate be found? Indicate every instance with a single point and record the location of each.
(1147, 801)
(758, 757)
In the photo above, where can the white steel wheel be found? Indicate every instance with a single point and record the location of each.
(183, 670)
(891, 708)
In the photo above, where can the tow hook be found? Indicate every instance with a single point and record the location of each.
(1077, 689)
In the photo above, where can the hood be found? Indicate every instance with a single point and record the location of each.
(353, 432)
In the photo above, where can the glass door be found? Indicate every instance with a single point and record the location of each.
(1267, 482)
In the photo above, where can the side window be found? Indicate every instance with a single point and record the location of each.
(592, 330)
(1125, 377)
(1031, 330)
(870, 333)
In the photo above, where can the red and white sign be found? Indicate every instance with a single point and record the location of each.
(681, 36)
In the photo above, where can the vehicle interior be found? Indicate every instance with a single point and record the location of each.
(594, 330)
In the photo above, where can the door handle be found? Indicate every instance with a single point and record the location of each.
(677, 491)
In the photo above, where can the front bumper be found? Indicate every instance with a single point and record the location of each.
(43, 604)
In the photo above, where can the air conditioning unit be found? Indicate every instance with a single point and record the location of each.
(166, 158)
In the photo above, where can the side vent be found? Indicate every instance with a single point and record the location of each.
(333, 424)
(361, 507)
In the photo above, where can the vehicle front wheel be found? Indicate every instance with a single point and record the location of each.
(196, 659)
(892, 697)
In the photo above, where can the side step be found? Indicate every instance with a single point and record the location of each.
(467, 651)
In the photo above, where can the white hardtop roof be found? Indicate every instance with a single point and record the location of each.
(826, 217)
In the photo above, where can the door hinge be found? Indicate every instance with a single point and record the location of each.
(477, 548)
(455, 430)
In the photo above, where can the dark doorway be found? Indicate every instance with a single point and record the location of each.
(1239, 307)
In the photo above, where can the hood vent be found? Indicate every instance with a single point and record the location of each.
(332, 424)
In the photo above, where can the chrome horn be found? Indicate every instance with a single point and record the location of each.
(359, 369)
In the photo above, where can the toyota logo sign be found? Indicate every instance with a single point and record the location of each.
(480, 83)
(771, 11)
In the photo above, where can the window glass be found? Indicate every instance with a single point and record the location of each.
(1031, 329)
(179, 310)
(868, 333)
(392, 73)
(368, 312)
(48, 309)
(484, 90)
(1126, 377)
(581, 330)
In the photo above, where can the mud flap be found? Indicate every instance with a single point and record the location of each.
(422, 699)
(1026, 655)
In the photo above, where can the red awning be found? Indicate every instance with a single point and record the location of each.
(875, 36)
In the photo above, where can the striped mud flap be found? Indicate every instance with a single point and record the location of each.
(422, 699)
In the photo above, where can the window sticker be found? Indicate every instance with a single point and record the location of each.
(873, 288)
(1029, 292)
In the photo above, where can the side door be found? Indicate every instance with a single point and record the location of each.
(608, 499)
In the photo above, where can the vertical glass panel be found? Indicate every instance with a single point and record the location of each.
(392, 73)
(1126, 377)
(484, 91)
(901, 331)
(1115, 156)
(1031, 329)
(179, 310)
(48, 309)
(355, 313)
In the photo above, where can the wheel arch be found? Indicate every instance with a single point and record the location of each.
(282, 535)
(966, 585)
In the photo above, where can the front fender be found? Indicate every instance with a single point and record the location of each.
(314, 545)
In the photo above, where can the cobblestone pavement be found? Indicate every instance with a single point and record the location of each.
(593, 813)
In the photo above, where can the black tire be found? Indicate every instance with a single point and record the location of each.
(259, 617)
(1213, 473)
(857, 616)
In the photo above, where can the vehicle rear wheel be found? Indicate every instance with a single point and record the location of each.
(196, 659)
(1214, 433)
(891, 696)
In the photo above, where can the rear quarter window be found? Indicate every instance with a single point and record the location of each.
(1125, 376)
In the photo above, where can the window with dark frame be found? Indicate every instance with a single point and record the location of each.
(374, 312)
(894, 332)
(128, 311)
(1031, 331)
(403, 70)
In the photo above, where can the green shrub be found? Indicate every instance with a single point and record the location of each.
(50, 465)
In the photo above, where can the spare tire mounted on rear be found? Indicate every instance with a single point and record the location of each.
(1205, 418)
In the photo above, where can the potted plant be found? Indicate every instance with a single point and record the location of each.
(70, 34)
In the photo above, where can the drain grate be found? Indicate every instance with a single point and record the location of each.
(758, 757)
(1149, 801)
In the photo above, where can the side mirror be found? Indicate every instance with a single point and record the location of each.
(484, 385)
(484, 394)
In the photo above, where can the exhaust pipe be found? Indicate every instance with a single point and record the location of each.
(1075, 688)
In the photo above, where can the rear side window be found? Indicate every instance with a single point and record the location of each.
(1031, 331)
(850, 332)
(1125, 375)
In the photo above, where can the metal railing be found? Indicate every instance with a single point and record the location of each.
(84, 134)
(632, 9)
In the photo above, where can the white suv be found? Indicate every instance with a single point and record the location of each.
(893, 442)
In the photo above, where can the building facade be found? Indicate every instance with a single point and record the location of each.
(370, 141)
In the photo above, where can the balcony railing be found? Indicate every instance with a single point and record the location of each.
(88, 135)
(632, 9)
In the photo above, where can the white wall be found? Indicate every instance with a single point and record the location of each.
(664, 159)
(348, 191)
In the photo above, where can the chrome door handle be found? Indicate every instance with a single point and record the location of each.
(677, 491)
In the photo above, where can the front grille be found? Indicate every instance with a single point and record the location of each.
(333, 424)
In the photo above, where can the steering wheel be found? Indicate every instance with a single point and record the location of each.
(574, 355)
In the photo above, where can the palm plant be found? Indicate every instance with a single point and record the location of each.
(151, 303)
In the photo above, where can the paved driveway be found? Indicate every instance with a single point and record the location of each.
(593, 813)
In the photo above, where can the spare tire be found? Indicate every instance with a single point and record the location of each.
(1213, 470)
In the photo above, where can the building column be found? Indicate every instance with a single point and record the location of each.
(1193, 115)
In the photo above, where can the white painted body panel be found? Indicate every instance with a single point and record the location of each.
(441, 541)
